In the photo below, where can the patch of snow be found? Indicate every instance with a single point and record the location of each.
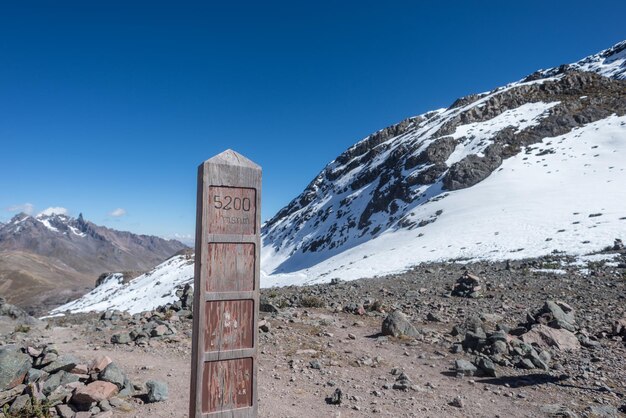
(144, 293)
(75, 231)
(553, 271)
(46, 223)
(479, 135)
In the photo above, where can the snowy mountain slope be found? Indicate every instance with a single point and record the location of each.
(566, 193)
(387, 185)
(146, 292)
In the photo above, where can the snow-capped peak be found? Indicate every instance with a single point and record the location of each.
(610, 62)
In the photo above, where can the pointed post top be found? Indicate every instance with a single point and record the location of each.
(230, 157)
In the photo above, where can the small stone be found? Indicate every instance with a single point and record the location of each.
(120, 404)
(159, 331)
(397, 324)
(100, 363)
(65, 411)
(8, 395)
(265, 327)
(457, 402)
(433, 317)
(80, 369)
(33, 352)
(94, 392)
(65, 362)
(105, 405)
(464, 368)
(20, 403)
(526, 363)
(122, 338)
(113, 374)
(336, 398)
(35, 375)
(157, 391)
(315, 364)
(486, 366)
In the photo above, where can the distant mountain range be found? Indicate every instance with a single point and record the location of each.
(50, 258)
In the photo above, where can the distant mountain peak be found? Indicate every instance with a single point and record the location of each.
(52, 247)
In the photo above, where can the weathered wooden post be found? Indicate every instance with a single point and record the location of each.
(226, 288)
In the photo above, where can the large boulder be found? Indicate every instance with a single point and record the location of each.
(94, 392)
(14, 364)
(113, 374)
(15, 313)
(66, 362)
(544, 336)
(397, 324)
(555, 314)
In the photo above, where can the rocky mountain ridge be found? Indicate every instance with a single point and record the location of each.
(377, 186)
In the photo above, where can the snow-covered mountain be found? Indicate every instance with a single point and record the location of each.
(524, 170)
(53, 255)
(148, 291)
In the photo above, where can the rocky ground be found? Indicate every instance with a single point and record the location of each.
(542, 337)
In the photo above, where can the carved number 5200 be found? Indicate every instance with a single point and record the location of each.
(228, 203)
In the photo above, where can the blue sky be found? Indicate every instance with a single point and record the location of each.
(107, 108)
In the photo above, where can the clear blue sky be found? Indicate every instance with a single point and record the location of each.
(113, 104)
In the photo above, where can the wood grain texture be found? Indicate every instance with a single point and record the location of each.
(227, 275)
(229, 325)
(229, 384)
(230, 267)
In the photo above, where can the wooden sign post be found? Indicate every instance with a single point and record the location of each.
(226, 289)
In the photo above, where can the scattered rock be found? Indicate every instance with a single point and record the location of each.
(402, 382)
(397, 324)
(122, 338)
(457, 402)
(65, 411)
(464, 368)
(157, 391)
(468, 285)
(94, 392)
(336, 398)
(544, 337)
(14, 364)
(113, 374)
(65, 362)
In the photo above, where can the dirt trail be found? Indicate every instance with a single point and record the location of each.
(300, 391)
